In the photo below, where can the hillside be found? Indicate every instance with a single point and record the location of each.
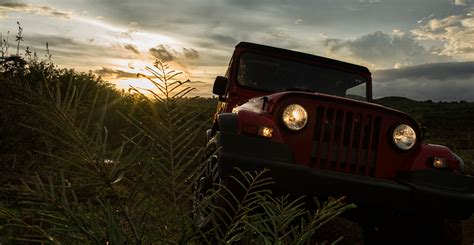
(450, 123)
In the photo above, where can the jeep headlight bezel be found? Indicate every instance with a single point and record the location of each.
(294, 117)
(404, 137)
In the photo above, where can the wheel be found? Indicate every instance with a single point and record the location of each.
(212, 212)
(204, 187)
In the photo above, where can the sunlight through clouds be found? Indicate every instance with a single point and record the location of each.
(198, 37)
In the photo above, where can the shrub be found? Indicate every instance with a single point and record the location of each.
(106, 167)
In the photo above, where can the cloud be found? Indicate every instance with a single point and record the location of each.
(434, 71)
(14, 6)
(5, 8)
(190, 53)
(73, 53)
(456, 32)
(450, 81)
(163, 53)
(223, 39)
(132, 29)
(384, 50)
(460, 2)
(111, 73)
(63, 44)
(131, 48)
(370, 1)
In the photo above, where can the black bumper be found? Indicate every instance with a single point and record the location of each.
(451, 197)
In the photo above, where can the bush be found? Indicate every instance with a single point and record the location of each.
(93, 165)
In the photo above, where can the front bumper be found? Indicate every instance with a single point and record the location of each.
(451, 197)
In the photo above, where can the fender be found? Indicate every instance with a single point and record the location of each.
(228, 122)
(429, 151)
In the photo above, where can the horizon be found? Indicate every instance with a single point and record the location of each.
(421, 50)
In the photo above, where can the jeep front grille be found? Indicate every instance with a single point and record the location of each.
(346, 141)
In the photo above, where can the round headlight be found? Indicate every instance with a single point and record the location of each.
(404, 137)
(294, 117)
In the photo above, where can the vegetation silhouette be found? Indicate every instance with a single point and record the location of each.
(83, 162)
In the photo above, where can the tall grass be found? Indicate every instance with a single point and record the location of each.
(119, 168)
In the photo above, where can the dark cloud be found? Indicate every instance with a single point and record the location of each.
(71, 53)
(216, 27)
(132, 48)
(54, 12)
(439, 82)
(224, 39)
(225, 23)
(114, 73)
(384, 50)
(14, 5)
(34, 9)
(52, 40)
(60, 14)
(190, 53)
(248, 4)
(9, 7)
(435, 71)
(162, 53)
(65, 47)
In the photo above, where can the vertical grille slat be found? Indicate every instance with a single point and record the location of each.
(346, 140)
(321, 137)
(332, 130)
(349, 157)
(341, 141)
(361, 138)
(367, 167)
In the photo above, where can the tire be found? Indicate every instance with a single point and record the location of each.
(205, 185)
(212, 219)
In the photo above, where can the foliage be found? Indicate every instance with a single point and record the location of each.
(84, 163)
(256, 216)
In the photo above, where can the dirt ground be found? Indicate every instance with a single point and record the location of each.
(468, 230)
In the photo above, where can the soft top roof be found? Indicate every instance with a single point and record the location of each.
(305, 56)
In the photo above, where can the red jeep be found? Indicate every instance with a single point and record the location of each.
(312, 122)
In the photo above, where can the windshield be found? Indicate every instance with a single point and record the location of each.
(278, 74)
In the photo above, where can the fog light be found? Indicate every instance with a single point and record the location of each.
(265, 131)
(439, 162)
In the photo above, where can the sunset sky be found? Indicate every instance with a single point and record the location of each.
(421, 49)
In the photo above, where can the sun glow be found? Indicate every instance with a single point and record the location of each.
(127, 35)
(140, 78)
(139, 83)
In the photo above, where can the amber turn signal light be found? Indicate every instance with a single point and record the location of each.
(265, 131)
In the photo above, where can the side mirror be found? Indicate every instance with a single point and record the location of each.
(220, 85)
